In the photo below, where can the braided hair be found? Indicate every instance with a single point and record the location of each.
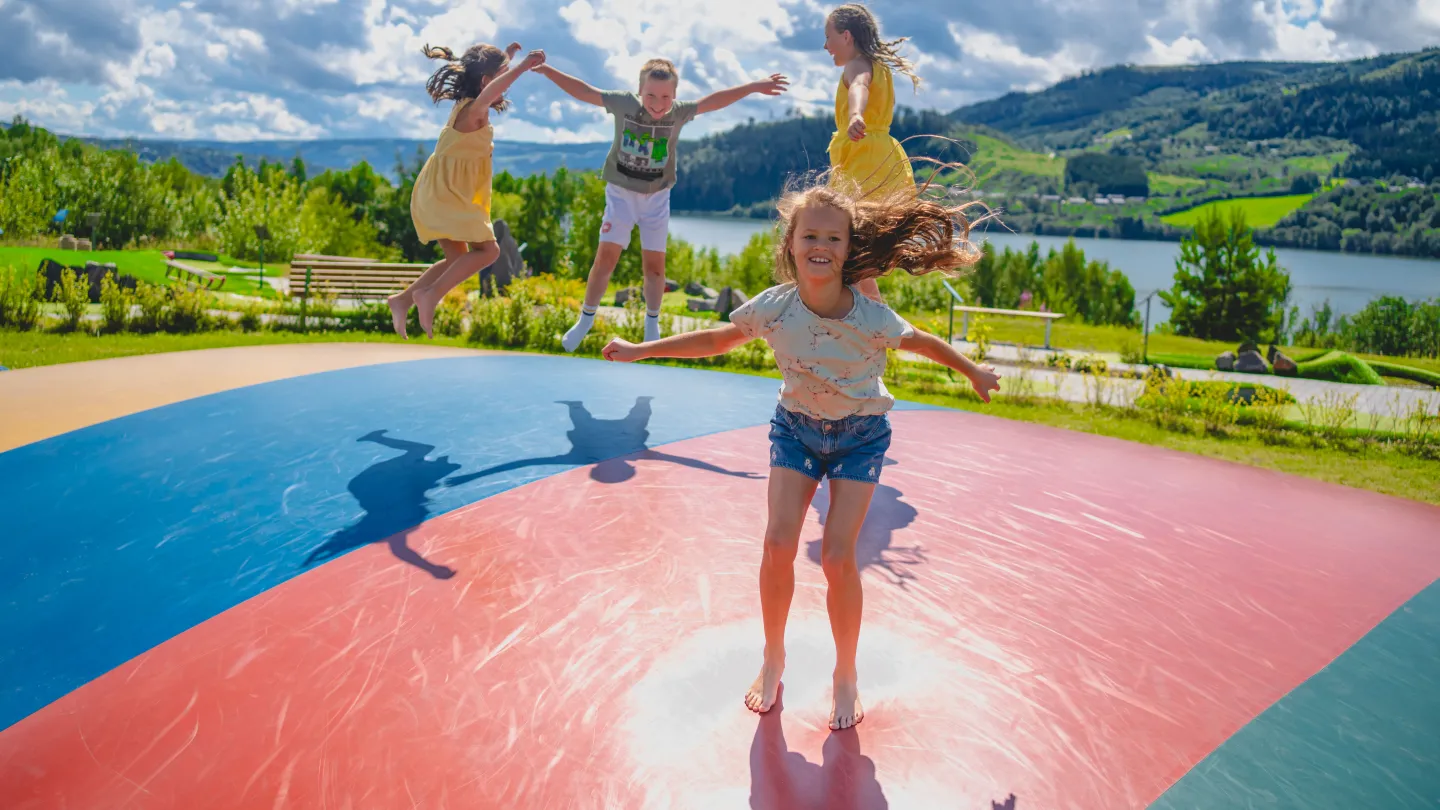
(465, 77)
(864, 28)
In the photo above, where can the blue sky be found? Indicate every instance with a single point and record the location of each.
(257, 69)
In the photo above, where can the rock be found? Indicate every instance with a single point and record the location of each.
(708, 293)
(1284, 365)
(1225, 362)
(700, 305)
(1251, 363)
(728, 301)
(622, 297)
(694, 288)
(67, 242)
(508, 267)
(671, 285)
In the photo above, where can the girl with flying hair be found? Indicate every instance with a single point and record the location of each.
(830, 343)
(862, 152)
(451, 199)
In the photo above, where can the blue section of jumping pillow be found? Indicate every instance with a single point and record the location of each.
(121, 535)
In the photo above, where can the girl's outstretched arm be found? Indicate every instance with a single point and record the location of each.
(579, 90)
(982, 377)
(700, 343)
(720, 99)
(495, 89)
(857, 77)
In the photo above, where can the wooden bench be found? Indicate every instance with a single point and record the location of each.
(1050, 317)
(193, 276)
(349, 277)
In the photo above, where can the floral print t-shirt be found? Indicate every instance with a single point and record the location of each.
(832, 367)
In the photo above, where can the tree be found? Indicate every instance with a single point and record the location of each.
(1223, 289)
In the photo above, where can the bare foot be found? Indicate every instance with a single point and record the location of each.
(846, 711)
(425, 305)
(766, 686)
(399, 310)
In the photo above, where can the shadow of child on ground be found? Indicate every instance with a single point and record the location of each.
(888, 513)
(781, 779)
(393, 494)
(610, 444)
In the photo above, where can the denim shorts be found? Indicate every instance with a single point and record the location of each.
(852, 449)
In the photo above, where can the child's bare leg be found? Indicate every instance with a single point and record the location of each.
(653, 263)
(790, 494)
(607, 255)
(401, 302)
(428, 298)
(849, 501)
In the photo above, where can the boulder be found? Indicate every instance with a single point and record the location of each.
(671, 285)
(694, 288)
(1251, 362)
(728, 301)
(1284, 365)
(700, 305)
(623, 296)
(67, 242)
(1225, 362)
(496, 278)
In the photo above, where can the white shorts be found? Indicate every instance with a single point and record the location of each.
(624, 209)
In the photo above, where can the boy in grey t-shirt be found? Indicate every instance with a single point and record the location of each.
(639, 173)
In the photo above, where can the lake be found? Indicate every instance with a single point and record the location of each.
(1348, 280)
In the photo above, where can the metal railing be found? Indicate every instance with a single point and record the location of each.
(950, 334)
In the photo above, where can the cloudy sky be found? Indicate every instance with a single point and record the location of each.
(256, 69)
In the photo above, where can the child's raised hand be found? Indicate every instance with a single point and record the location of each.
(985, 381)
(534, 59)
(621, 351)
(512, 49)
(773, 86)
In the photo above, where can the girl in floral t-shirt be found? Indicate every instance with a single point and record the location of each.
(830, 343)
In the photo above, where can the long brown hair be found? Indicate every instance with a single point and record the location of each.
(864, 28)
(465, 77)
(916, 230)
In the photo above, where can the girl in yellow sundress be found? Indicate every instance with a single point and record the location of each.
(451, 199)
(862, 152)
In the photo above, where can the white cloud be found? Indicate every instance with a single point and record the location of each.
(316, 68)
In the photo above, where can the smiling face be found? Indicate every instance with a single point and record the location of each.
(839, 44)
(658, 96)
(819, 244)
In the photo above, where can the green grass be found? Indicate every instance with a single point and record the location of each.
(145, 265)
(1388, 368)
(30, 349)
(1385, 471)
(1260, 212)
(1337, 366)
(1319, 164)
(1166, 184)
(1377, 469)
(993, 156)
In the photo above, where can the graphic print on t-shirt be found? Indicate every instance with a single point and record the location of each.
(644, 148)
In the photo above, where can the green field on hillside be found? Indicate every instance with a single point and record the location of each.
(1260, 212)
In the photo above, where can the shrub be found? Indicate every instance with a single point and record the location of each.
(115, 303)
(1337, 366)
(74, 295)
(20, 298)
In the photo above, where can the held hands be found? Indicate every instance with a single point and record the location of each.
(773, 86)
(622, 351)
(985, 380)
(857, 126)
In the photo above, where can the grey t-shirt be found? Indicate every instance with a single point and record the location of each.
(642, 157)
(832, 367)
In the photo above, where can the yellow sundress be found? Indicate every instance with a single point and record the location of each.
(451, 198)
(876, 162)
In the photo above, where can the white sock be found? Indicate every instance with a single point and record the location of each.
(652, 326)
(572, 339)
